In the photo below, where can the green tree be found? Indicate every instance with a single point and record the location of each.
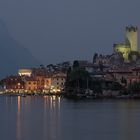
(95, 57)
(77, 79)
(75, 64)
(135, 86)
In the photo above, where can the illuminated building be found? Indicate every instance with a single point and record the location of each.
(47, 84)
(129, 49)
(31, 85)
(40, 83)
(123, 49)
(132, 38)
(25, 72)
(58, 82)
(14, 84)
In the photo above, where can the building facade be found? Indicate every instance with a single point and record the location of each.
(58, 82)
(25, 72)
(14, 84)
(31, 85)
(47, 84)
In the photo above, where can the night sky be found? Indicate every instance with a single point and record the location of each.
(61, 30)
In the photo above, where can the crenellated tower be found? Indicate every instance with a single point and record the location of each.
(132, 38)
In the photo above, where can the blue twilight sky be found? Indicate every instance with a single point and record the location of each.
(60, 30)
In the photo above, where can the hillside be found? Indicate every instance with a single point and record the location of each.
(12, 54)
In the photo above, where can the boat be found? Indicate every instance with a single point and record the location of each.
(23, 95)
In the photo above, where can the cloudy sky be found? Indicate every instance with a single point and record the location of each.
(61, 30)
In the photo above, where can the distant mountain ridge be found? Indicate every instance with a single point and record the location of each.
(12, 54)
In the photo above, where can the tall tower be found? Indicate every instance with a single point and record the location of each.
(132, 38)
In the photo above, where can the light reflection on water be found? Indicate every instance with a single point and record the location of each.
(55, 118)
(18, 121)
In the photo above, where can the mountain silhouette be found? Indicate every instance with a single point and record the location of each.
(12, 54)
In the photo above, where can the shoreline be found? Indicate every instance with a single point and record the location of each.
(75, 97)
(30, 94)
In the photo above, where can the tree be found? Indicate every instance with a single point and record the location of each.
(135, 86)
(50, 67)
(77, 79)
(101, 66)
(95, 57)
(75, 64)
(123, 81)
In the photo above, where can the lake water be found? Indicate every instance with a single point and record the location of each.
(55, 118)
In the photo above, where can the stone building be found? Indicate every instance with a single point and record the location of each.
(129, 49)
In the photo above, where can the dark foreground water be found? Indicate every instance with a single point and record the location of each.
(55, 118)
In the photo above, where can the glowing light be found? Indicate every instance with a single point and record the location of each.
(26, 72)
(18, 127)
(18, 104)
(54, 98)
(123, 49)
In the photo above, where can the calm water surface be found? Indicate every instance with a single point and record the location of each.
(55, 118)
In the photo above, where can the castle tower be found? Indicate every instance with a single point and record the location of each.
(132, 38)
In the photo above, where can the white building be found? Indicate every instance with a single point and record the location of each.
(25, 72)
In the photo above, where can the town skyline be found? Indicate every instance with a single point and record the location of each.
(17, 56)
(117, 72)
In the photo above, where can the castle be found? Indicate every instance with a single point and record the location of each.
(129, 49)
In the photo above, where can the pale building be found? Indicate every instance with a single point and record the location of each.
(25, 72)
(132, 38)
(58, 82)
